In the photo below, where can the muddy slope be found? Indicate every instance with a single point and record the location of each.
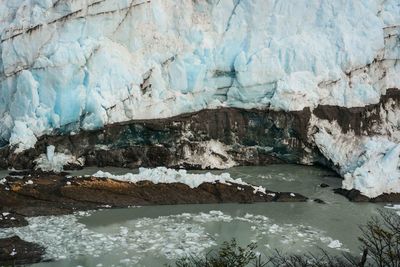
(247, 137)
(54, 194)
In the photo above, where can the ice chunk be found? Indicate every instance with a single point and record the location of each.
(50, 152)
(368, 164)
(165, 175)
(335, 244)
(54, 161)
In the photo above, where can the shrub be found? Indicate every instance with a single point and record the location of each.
(229, 254)
(380, 246)
(381, 237)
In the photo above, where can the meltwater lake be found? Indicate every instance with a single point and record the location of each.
(158, 235)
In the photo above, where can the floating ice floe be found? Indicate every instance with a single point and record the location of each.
(171, 236)
(335, 244)
(395, 207)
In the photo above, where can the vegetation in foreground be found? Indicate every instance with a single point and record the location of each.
(380, 246)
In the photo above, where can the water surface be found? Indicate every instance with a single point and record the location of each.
(155, 235)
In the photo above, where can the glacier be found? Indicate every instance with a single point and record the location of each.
(81, 65)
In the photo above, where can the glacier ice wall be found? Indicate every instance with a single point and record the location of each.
(69, 64)
(94, 62)
(370, 164)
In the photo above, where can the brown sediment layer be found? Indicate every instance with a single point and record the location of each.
(360, 120)
(8, 220)
(38, 193)
(356, 196)
(16, 252)
(251, 137)
(254, 137)
(55, 194)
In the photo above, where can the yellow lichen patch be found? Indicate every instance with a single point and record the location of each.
(15, 187)
(95, 183)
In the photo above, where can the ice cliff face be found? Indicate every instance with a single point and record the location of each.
(81, 64)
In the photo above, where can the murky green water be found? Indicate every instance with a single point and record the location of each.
(153, 236)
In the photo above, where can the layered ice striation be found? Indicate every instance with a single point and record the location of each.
(84, 64)
(74, 65)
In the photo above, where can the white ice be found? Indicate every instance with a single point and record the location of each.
(166, 175)
(171, 236)
(368, 164)
(84, 64)
(54, 161)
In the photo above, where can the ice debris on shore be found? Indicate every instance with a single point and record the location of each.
(54, 161)
(167, 176)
